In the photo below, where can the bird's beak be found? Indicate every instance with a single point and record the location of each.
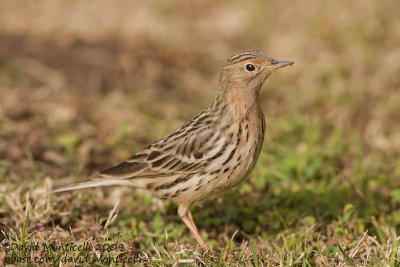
(275, 64)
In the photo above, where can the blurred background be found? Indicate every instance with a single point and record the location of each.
(73, 71)
(85, 84)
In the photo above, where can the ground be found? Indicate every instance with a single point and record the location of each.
(84, 85)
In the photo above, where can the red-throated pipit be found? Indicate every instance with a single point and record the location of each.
(211, 153)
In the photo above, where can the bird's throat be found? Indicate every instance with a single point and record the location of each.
(243, 100)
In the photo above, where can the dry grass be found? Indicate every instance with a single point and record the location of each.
(85, 84)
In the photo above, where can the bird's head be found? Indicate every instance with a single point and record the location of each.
(242, 77)
(249, 69)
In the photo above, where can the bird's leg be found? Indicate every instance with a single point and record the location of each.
(187, 218)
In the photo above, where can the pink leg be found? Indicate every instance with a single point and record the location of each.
(187, 218)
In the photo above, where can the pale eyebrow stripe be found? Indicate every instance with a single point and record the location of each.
(242, 57)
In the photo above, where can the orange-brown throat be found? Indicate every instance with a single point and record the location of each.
(237, 99)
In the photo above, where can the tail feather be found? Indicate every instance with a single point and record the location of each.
(96, 183)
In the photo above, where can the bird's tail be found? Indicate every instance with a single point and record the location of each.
(95, 183)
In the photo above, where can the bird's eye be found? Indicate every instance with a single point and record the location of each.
(250, 67)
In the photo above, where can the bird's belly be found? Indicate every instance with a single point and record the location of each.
(212, 185)
(242, 164)
(222, 177)
(234, 176)
(240, 167)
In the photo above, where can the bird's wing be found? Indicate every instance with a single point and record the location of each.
(189, 149)
(196, 147)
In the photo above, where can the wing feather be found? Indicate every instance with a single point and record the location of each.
(186, 150)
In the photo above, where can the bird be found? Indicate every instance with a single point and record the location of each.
(211, 153)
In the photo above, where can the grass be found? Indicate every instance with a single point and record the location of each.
(79, 92)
